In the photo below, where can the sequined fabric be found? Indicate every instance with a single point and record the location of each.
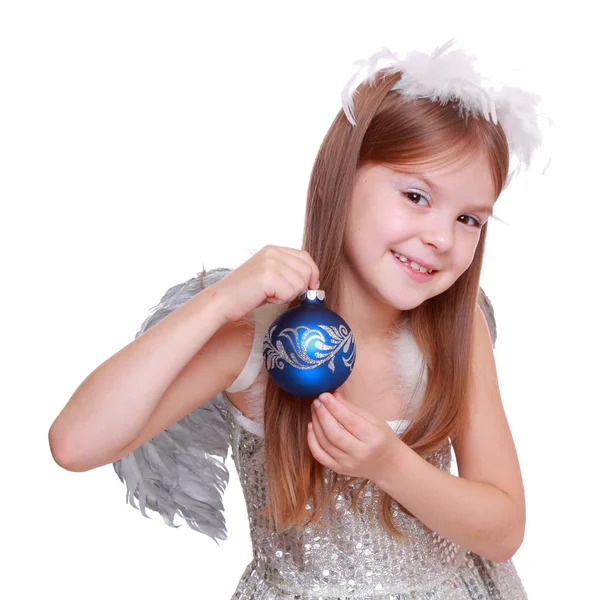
(353, 556)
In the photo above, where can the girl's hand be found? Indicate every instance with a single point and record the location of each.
(349, 440)
(275, 274)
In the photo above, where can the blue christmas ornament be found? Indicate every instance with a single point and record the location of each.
(309, 349)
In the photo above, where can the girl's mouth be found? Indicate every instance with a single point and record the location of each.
(415, 275)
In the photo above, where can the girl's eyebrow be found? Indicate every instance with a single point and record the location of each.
(484, 208)
(424, 179)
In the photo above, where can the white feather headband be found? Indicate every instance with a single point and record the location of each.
(450, 76)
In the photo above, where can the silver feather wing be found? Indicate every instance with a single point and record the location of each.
(488, 311)
(182, 469)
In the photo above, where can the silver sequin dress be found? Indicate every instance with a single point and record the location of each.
(353, 557)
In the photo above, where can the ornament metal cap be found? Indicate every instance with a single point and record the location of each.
(313, 295)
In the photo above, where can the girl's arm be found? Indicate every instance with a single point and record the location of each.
(172, 368)
(484, 508)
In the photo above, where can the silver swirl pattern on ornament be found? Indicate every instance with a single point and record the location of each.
(340, 338)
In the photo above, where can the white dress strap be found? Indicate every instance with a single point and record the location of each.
(263, 317)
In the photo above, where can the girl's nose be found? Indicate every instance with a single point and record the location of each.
(440, 235)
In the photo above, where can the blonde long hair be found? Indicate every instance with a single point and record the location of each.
(396, 131)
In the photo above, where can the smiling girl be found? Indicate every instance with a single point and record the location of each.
(349, 495)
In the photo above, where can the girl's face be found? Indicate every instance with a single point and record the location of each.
(430, 219)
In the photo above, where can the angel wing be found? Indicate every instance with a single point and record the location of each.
(182, 469)
(488, 312)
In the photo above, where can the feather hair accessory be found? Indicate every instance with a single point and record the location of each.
(449, 76)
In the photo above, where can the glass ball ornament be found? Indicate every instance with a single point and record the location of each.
(309, 349)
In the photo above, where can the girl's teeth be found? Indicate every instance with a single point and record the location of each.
(413, 265)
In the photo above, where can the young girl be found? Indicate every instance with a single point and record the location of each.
(349, 495)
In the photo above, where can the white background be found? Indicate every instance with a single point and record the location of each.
(141, 140)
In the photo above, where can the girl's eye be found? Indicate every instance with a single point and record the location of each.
(475, 223)
(412, 195)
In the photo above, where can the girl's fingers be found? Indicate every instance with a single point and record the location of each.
(317, 451)
(335, 432)
(339, 410)
(357, 410)
(324, 441)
